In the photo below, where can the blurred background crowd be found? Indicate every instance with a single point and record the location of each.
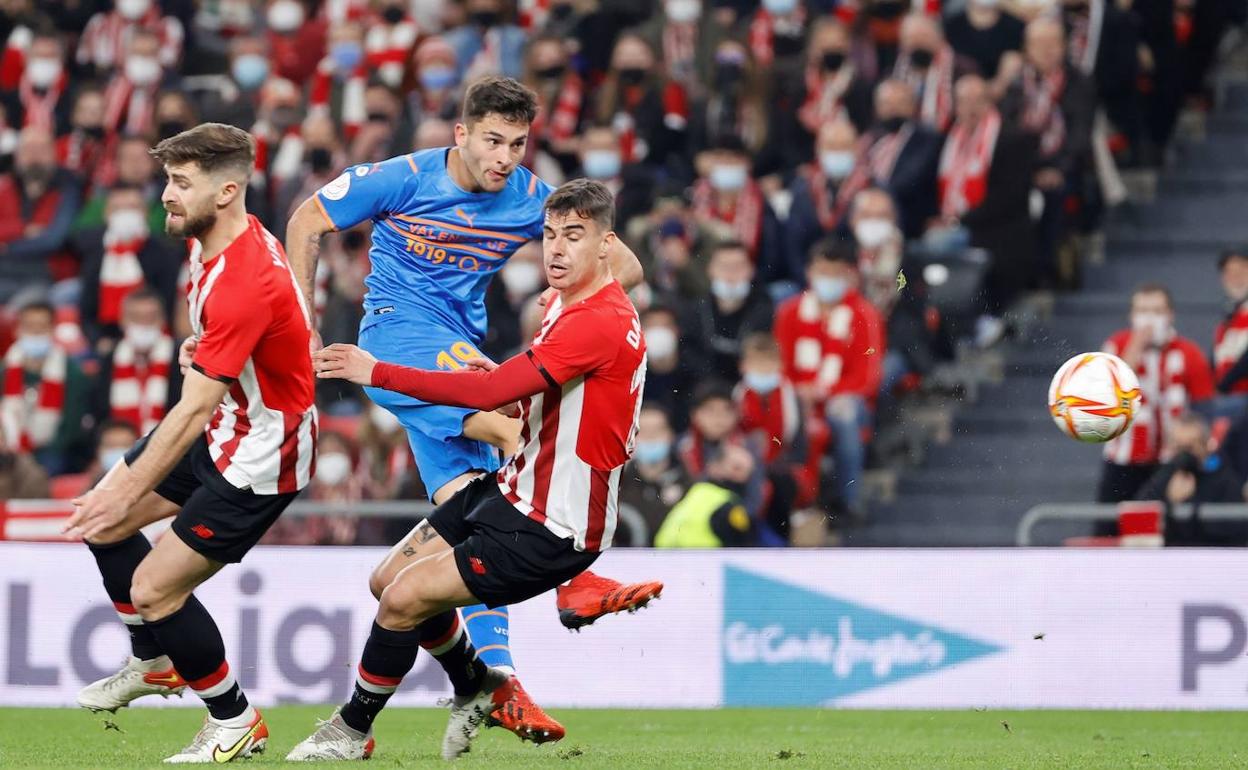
(829, 198)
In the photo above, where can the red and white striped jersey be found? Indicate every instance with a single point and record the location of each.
(577, 434)
(254, 330)
(1230, 341)
(1172, 378)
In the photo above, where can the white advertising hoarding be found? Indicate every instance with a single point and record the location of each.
(852, 628)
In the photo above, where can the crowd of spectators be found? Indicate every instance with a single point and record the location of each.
(781, 168)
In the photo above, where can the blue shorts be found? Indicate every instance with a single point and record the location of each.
(434, 431)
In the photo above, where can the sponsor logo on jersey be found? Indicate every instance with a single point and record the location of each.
(337, 189)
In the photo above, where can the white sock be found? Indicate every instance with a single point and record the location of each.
(242, 720)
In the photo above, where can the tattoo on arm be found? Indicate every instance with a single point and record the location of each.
(313, 253)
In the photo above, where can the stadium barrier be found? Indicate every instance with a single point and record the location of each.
(867, 628)
(1101, 512)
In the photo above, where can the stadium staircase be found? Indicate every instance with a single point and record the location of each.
(1000, 454)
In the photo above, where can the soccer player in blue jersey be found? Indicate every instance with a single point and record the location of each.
(444, 221)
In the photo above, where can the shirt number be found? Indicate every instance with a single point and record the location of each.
(461, 352)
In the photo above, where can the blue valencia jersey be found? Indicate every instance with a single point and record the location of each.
(435, 246)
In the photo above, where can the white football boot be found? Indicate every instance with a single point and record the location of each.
(333, 739)
(136, 679)
(221, 742)
(469, 713)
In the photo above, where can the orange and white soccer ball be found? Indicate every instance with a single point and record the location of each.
(1094, 397)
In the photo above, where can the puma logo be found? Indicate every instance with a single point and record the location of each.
(465, 216)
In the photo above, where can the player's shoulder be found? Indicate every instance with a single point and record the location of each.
(524, 185)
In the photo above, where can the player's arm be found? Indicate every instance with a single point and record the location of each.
(106, 505)
(516, 378)
(303, 244)
(624, 264)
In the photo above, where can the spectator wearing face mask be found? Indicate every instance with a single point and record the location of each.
(139, 379)
(520, 279)
(21, 478)
(715, 424)
(120, 257)
(877, 32)
(649, 112)
(835, 89)
(114, 440)
(233, 96)
(1195, 473)
(687, 39)
(45, 393)
(1230, 339)
(776, 33)
(601, 160)
(1174, 377)
(132, 167)
(297, 43)
(983, 33)
(335, 481)
(278, 132)
(437, 76)
(81, 149)
(106, 41)
(41, 99)
(671, 372)
(321, 160)
(385, 458)
(929, 65)
(130, 97)
(737, 104)
(734, 308)
(1104, 44)
(654, 480)
(488, 44)
(713, 513)
(673, 246)
(384, 123)
(984, 186)
(726, 197)
(389, 42)
(832, 341)
(899, 155)
(38, 203)
(561, 96)
(820, 208)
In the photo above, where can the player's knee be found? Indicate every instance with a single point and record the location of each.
(378, 580)
(150, 600)
(401, 607)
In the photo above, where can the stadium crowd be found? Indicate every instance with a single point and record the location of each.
(785, 170)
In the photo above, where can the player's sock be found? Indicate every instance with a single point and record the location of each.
(117, 563)
(193, 642)
(388, 656)
(488, 631)
(444, 638)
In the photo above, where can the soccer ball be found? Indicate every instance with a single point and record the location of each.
(1094, 397)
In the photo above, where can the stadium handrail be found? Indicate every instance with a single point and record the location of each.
(1109, 512)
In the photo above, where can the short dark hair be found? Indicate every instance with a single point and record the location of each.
(144, 294)
(762, 343)
(506, 97)
(714, 390)
(39, 304)
(730, 244)
(111, 424)
(588, 198)
(1229, 254)
(213, 146)
(1154, 288)
(833, 249)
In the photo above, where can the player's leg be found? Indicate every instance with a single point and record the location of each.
(118, 552)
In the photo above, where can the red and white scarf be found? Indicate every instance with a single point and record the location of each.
(1042, 109)
(120, 271)
(31, 423)
(124, 102)
(388, 48)
(824, 95)
(831, 204)
(1085, 36)
(876, 155)
(934, 87)
(680, 45)
(39, 109)
(746, 217)
(140, 387)
(762, 34)
(559, 123)
(965, 162)
(353, 109)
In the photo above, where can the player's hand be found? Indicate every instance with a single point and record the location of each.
(481, 363)
(547, 296)
(1181, 487)
(186, 353)
(344, 362)
(103, 508)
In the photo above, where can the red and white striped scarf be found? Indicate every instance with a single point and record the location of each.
(388, 48)
(1042, 109)
(830, 205)
(559, 124)
(39, 109)
(934, 87)
(762, 34)
(1085, 36)
(353, 110)
(29, 424)
(120, 271)
(965, 162)
(124, 102)
(746, 217)
(824, 93)
(107, 36)
(13, 60)
(680, 45)
(140, 387)
(876, 156)
(278, 159)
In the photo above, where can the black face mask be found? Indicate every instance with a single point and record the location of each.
(787, 45)
(891, 125)
(485, 19)
(922, 58)
(320, 159)
(93, 132)
(379, 117)
(833, 61)
(887, 9)
(561, 12)
(168, 128)
(1187, 461)
(632, 76)
(728, 73)
(551, 73)
(352, 240)
(392, 14)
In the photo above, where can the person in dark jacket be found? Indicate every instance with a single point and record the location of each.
(38, 202)
(714, 326)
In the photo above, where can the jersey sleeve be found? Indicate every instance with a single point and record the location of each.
(579, 342)
(364, 191)
(541, 191)
(234, 323)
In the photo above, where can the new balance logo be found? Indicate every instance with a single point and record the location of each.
(202, 531)
(477, 565)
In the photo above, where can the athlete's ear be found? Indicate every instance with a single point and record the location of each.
(608, 243)
(461, 135)
(230, 189)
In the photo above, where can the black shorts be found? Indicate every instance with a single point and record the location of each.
(217, 520)
(504, 556)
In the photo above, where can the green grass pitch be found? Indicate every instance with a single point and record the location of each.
(731, 738)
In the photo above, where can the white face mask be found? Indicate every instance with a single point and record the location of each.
(683, 11)
(110, 457)
(384, 419)
(1156, 326)
(43, 73)
(728, 177)
(333, 468)
(985, 3)
(660, 341)
(873, 233)
(836, 164)
(133, 9)
(143, 70)
(285, 16)
(522, 278)
(127, 224)
(143, 337)
(780, 7)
